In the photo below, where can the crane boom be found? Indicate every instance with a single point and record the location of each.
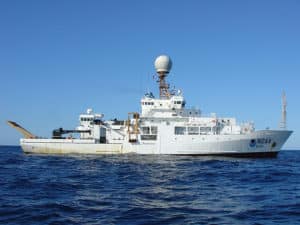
(22, 130)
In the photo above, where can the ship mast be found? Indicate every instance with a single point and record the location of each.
(163, 66)
(283, 111)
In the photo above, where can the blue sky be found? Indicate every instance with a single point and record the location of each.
(58, 58)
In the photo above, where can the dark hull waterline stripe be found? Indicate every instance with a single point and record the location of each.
(239, 155)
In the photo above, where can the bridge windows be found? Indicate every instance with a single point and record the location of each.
(147, 103)
(86, 119)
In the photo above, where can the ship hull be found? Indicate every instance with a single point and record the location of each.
(265, 143)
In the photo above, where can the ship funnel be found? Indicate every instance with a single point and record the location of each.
(163, 65)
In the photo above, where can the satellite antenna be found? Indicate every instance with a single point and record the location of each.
(283, 111)
(163, 65)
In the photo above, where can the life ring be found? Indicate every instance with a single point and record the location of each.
(252, 143)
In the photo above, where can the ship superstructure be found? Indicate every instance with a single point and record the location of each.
(164, 126)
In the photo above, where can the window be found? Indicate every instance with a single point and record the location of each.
(146, 130)
(205, 130)
(148, 137)
(193, 130)
(214, 129)
(153, 130)
(180, 130)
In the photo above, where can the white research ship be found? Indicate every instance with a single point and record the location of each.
(164, 126)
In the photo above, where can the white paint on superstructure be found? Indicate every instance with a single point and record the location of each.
(164, 126)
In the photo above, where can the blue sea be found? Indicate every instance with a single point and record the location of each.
(134, 189)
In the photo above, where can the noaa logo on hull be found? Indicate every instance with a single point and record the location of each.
(252, 143)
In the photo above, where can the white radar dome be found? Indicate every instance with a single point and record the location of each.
(163, 63)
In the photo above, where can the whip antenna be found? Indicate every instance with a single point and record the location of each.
(283, 111)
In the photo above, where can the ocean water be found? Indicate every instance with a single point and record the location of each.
(133, 189)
